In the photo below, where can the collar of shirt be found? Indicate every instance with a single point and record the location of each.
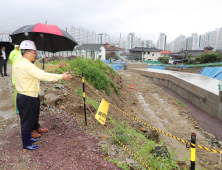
(4, 56)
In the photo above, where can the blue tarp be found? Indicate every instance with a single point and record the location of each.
(116, 62)
(106, 61)
(117, 66)
(157, 67)
(214, 72)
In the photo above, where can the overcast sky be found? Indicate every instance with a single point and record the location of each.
(147, 18)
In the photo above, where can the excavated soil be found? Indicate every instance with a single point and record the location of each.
(70, 144)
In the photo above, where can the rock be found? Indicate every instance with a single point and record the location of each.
(111, 153)
(105, 153)
(58, 86)
(132, 162)
(143, 130)
(139, 124)
(51, 98)
(75, 106)
(41, 93)
(62, 107)
(219, 143)
(212, 137)
(91, 107)
(162, 151)
(152, 134)
(197, 127)
(100, 143)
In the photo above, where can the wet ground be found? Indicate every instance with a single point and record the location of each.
(206, 122)
(7, 106)
(207, 83)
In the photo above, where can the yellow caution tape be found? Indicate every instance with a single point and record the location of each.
(128, 150)
(186, 142)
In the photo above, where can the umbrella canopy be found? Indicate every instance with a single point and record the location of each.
(8, 46)
(46, 37)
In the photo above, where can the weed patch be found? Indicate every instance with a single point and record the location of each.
(142, 147)
(95, 72)
(181, 104)
(89, 100)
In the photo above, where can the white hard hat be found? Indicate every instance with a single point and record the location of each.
(27, 45)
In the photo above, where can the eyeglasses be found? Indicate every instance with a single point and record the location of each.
(33, 52)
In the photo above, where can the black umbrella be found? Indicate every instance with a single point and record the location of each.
(8, 46)
(46, 37)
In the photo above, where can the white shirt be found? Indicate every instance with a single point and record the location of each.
(4, 56)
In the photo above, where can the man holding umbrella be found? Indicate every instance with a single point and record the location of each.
(14, 57)
(27, 82)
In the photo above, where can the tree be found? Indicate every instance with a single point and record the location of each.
(108, 57)
(116, 57)
(164, 60)
(209, 57)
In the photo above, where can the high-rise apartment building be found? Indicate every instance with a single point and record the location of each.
(5, 36)
(195, 43)
(138, 42)
(179, 44)
(219, 38)
(204, 40)
(213, 39)
(147, 43)
(104, 38)
(170, 46)
(161, 43)
(131, 40)
(189, 43)
(83, 36)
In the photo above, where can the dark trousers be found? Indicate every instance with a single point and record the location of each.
(28, 111)
(3, 63)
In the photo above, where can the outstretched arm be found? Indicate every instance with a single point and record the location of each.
(49, 67)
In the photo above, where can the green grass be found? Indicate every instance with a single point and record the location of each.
(95, 72)
(142, 147)
(181, 104)
(89, 100)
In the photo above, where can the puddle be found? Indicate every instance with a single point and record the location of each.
(7, 105)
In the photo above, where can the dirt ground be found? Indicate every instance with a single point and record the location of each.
(70, 144)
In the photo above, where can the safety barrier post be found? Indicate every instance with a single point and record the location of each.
(193, 151)
(84, 96)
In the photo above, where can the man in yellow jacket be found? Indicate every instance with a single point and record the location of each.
(14, 57)
(27, 82)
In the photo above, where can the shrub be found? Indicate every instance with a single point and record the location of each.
(95, 72)
(164, 60)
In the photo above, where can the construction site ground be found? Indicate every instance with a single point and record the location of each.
(70, 144)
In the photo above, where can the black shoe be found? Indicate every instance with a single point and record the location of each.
(6, 75)
(2, 75)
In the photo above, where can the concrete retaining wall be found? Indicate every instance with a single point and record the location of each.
(136, 65)
(203, 99)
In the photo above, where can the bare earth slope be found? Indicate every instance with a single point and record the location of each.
(70, 144)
